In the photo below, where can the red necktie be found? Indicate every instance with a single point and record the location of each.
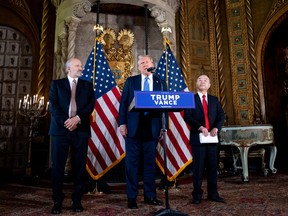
(73, 100)
(205, 109)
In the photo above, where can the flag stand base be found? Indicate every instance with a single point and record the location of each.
(95, 192)
(169, 212)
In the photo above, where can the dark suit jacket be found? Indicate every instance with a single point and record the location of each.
(59, 101)
(195, 117)
(131, 118)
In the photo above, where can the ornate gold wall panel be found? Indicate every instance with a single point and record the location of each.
(278, 12)
(199, 44)
(184, 43)
(240, 63)
(215, 43)
(252, 59)
(205, 45)
(120, 59)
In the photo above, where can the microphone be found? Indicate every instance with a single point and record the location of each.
(151, 69)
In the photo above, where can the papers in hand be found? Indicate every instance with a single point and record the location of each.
(208, 139)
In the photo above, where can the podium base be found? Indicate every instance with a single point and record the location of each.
(169, 212)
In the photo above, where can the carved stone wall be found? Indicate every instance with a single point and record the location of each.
(86, 36)
(79, 29)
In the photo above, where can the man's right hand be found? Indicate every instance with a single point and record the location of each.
(123, 130)
(204, 131)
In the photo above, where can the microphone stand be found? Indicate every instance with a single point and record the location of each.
(167, 211)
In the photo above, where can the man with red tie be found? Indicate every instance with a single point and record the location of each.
(207, 118)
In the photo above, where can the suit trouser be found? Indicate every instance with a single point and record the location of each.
(205, 154)
(60, 147)
(134, 148)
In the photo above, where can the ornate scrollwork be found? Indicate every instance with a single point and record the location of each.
(81, 9)
(121, 60)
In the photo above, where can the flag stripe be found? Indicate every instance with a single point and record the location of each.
(94, 153)
(182, 139)
(180, 125)
(106, 146)
(104, 131)
(178, 150)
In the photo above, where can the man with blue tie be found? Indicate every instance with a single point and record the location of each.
(71, 103)
(207, 117)
(142, 131)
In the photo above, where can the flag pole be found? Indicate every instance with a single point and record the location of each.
(166, 43)
(98, 30)
(167, 211)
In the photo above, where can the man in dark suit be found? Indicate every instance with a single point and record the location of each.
(204, 152)
(70, 126)
(142, 131)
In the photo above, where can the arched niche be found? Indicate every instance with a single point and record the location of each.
(72, 16)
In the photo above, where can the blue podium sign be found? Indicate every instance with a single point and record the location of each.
(164, 100)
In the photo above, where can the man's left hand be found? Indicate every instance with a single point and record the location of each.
(214, 132)
(71, 123)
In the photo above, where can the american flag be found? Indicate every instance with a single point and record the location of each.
(178, 150)
(106, 145)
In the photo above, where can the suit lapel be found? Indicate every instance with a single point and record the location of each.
(78, 88)
(156, 84)
(67, 89)
(210, 106)
(198, 102)
(138, 83)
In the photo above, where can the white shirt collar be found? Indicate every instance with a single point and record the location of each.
(71, 79)
(143, 76)
(200, 95)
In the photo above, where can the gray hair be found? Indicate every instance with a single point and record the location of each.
(68, 64)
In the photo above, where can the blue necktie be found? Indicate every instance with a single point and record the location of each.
(146, 84)
(146, 88)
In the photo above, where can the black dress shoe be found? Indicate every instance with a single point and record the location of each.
(77, 207)
(57, 208)
(216, 199)
(132, 204)
(196, 201)
(152, 201)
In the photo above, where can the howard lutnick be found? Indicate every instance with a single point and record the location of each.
(165, 99)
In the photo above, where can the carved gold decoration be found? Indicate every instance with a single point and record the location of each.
(214, 34)
(125, 38)
(242, 79)
(251, 44)
(43, 48)
(184, 43)
(277, 5)
(121, 60)
(219, 49)
(269, 26)
(107, 39)
(98, 29)
(20, 3)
